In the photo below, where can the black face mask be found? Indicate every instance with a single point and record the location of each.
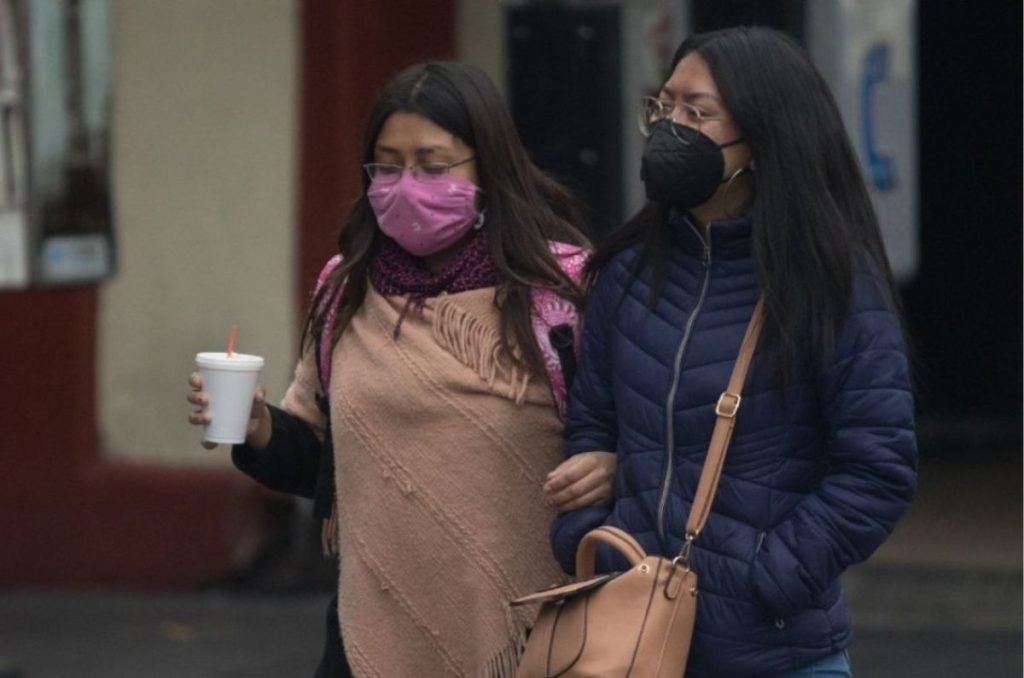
(681, 166)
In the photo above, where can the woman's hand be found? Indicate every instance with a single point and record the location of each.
(584, 479)
(259, 428)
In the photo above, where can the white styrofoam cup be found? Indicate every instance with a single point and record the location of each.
(230, 382)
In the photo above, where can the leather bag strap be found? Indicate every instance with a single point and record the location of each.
(725, 410)
(621, 541)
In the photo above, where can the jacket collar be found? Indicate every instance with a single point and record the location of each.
(729, 238)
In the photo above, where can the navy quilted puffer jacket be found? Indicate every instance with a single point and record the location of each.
(814, 480)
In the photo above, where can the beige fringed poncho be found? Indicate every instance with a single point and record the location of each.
(440, 453)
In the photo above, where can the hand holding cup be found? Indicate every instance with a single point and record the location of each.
(230, 405)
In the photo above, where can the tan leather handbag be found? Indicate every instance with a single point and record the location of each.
(639, 622)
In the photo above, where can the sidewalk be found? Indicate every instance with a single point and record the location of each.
(61, 635)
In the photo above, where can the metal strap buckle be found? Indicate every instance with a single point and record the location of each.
(727, 408)
(683, 558)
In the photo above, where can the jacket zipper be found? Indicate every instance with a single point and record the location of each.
(670, 400)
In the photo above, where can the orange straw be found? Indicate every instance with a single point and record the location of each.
(232, 336)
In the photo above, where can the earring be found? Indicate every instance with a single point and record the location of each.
(479, 221)
(728, 185)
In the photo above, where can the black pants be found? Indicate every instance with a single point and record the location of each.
(333, 664)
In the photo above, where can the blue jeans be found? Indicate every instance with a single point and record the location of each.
(833, 666)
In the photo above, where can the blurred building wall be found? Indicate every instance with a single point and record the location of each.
(204, 157)
(480, 37)
(238, 129)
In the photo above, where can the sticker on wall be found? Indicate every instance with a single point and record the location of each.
(56, 83)
(13, 170)
(866, 50)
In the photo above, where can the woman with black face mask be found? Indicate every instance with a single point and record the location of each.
(754, 194)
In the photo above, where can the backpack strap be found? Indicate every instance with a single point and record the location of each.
(324, 492)
(556, 325)
(323, 344)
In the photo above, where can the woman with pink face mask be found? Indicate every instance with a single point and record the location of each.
(424, 418)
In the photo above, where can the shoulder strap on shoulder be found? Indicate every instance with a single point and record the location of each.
(556, 324)
(323, 344)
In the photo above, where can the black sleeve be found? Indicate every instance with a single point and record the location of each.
(290, 462)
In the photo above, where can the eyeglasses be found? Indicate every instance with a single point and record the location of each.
(389, 173)
(653, 109)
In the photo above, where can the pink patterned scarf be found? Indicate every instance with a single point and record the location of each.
(395, 271)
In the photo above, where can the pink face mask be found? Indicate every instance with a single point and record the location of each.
(425, 217)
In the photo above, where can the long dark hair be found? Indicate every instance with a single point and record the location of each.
(812, 217)
(525, 208)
